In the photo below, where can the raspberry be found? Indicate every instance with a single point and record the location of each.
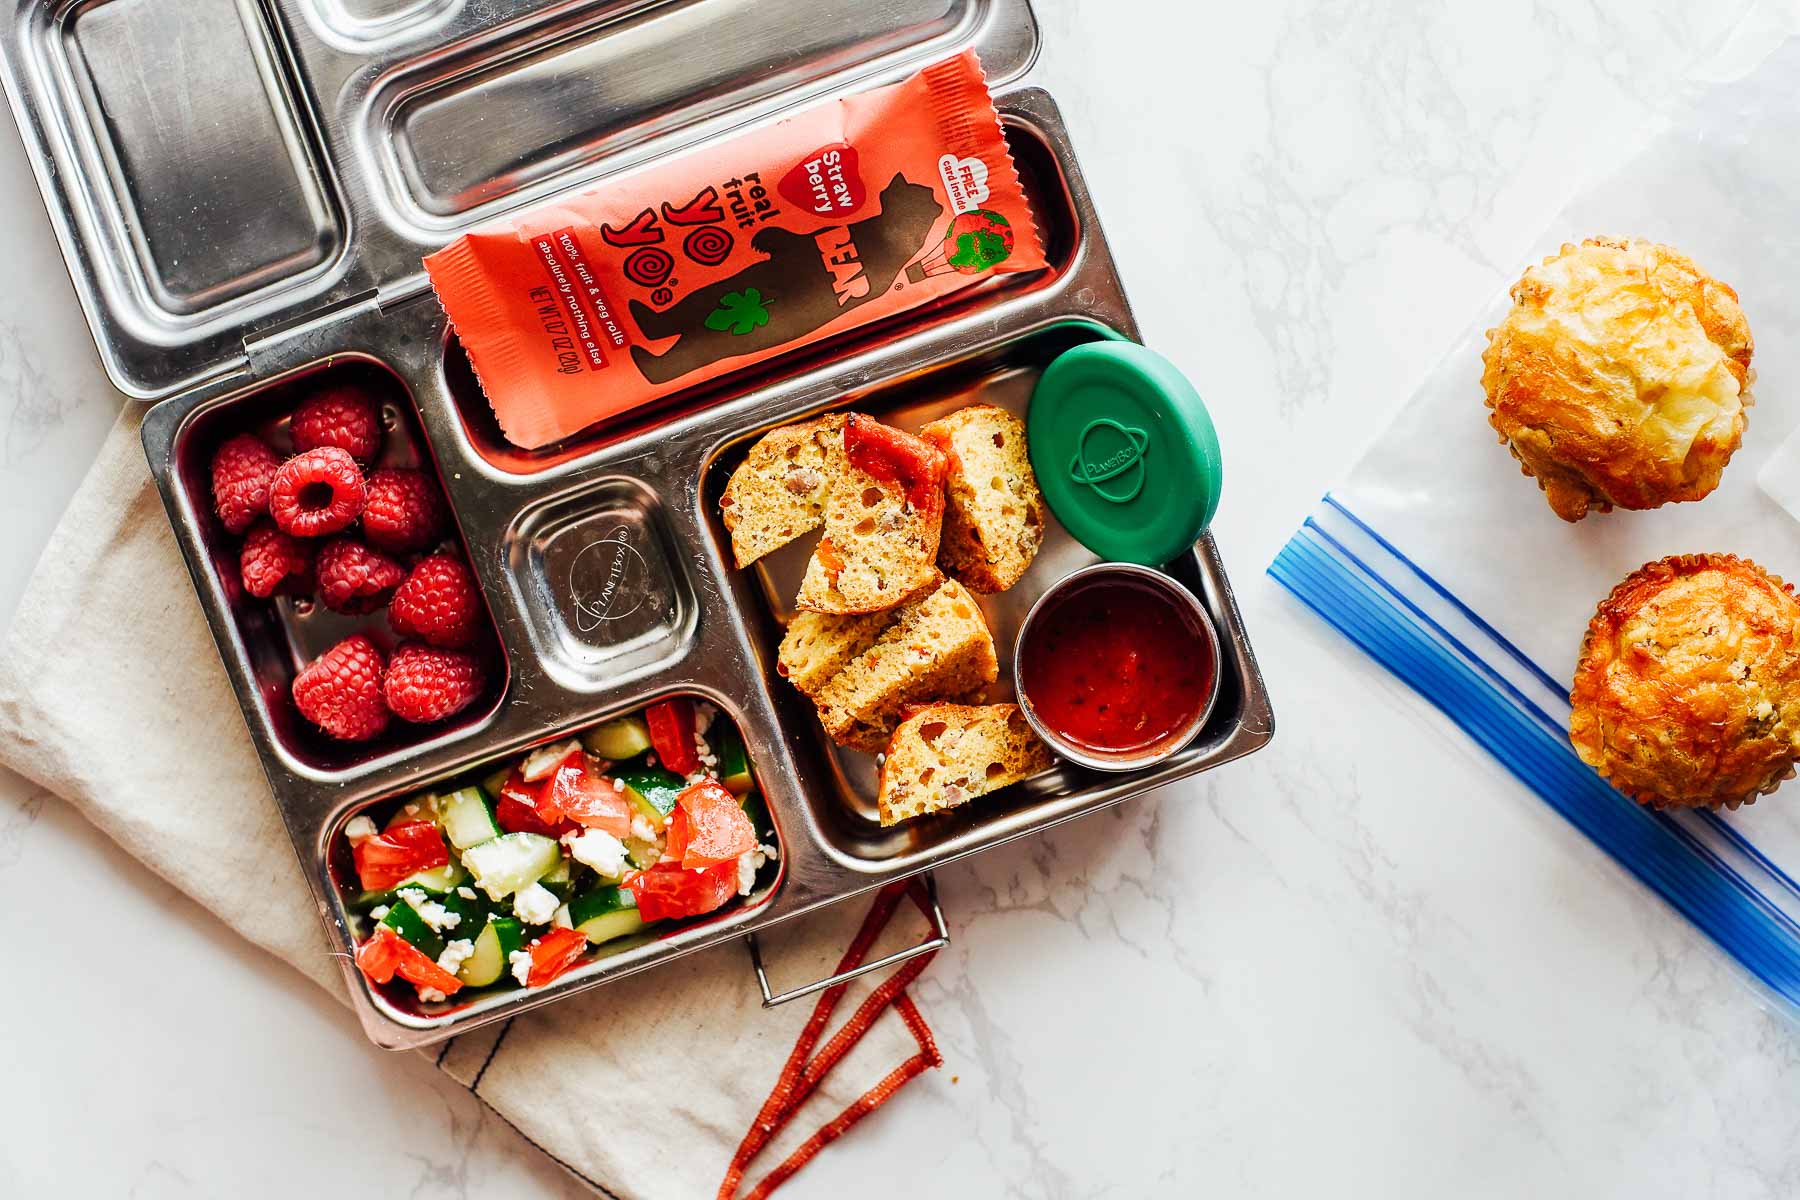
(271, 561)
(242, 469)
(354, 578)
(438, 602)
(404, 512)
(425, 683)
(317, 492)
(340, 691)
(344, 416)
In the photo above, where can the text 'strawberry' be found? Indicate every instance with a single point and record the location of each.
(404, 512)
(427, 684)
(439, 602)
(344, 416)
(340, 691)
(272, 561)
(317, 492)
(353, 578)
(242, 470)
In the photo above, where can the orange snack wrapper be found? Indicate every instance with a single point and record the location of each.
(708, 263)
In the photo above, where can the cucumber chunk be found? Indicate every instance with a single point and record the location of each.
(643, 855)
(498, 939)
(734, 764)
(493, 782)
(468, 818)
(404, 920)
(605, 913)
(503, 865)
(433, 882)
(652, 789)
(619, 739)
(558, 879)
(758, 812)
(472, 914)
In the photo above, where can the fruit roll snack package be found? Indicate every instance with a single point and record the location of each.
(707, 263)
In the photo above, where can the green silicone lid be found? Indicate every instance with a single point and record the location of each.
(1124, 451)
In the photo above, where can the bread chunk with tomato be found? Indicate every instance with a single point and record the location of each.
(943, 755)
(993, 511)
(937, 648)
(779, 491)
(883, 519)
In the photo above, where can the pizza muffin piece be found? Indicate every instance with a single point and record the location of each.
(1687, 693)
(883, 519)
(937, 648)
(993, 511)
(819, 645)
(779, 491)
(1620, 376)
(944, 755)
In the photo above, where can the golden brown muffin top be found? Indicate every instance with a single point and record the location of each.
(1620, 376)
(1688, 688)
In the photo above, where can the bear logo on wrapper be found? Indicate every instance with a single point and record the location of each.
(845, 213)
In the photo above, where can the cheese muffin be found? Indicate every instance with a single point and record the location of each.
(1687, 693)
(1620, 377)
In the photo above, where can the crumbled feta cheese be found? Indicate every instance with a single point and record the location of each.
(540, 762)
(704, 715)
(455, 953)
(535, 905)
(359, 830)
(641, 828)
(562, 920)
(379, 912)
(466, 892)
(430, 911)
(520, 962)
(749, 863)
(600, 850)
(430, 995)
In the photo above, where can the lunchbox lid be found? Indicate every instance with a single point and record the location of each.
(225, 173)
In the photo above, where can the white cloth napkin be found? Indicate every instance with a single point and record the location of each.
(110, 648)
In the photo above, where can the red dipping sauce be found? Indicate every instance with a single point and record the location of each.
(1117, 667)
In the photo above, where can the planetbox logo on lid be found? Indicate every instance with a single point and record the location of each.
(1110, 453)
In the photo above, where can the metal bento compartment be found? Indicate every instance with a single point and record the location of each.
(600, 560)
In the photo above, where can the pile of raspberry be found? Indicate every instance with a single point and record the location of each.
(317, 525)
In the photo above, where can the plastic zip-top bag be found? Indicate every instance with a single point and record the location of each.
(1443, 562)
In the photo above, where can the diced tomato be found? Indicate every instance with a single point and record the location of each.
(911, 463)
(671, 890)
(528, 808)
(717, 828)
(378, 956)
(554, 953)
(583, 796)
(388, 954)
(672, 734)
(675, 837)
(398, 852)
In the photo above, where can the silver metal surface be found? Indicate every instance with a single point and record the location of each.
(940, 937)
(602, 560)
(1075, 752)
(217, 169)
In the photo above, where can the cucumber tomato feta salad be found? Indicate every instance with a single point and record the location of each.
(508, 880)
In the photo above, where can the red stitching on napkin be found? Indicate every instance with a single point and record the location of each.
(801, 1075)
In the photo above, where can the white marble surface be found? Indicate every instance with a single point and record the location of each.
(1363, 962)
